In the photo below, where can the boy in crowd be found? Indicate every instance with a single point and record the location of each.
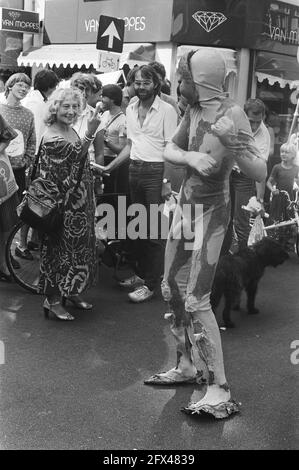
(282, 178)
(21, 150)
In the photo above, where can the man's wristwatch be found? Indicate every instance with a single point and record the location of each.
(165, 180)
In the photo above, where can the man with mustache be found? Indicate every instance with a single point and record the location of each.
(150, 125)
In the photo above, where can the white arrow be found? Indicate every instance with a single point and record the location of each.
(112, 32)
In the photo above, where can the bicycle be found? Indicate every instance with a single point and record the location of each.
(112, 253)
(27, 275)
(293, 207)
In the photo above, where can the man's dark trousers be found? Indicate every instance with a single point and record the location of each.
(145, 181)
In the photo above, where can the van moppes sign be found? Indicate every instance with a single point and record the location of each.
(20, 21)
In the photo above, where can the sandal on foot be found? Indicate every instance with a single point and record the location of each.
(220, 411)
(172, 377)
(57, 311)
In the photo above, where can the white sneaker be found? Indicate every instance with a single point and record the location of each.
(132, 281)
(141, 294)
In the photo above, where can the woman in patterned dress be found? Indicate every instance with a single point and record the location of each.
(68, 261)
(213, 134)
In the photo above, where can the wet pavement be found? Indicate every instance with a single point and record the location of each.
(79, 385)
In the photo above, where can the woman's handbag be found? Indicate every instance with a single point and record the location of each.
(42, 204)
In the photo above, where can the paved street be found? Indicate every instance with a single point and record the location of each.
(79, 385)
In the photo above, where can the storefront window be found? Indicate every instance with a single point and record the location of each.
(280, 110)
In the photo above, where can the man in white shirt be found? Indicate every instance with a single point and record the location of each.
(44, 83)
(160, 69)
(242, 187)
(150, 125)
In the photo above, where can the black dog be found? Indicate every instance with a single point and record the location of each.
(243, 270)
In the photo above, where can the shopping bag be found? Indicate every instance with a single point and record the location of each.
(257, 231)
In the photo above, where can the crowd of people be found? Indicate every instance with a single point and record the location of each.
(204, 146)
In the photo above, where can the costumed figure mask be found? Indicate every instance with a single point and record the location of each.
(206, 69)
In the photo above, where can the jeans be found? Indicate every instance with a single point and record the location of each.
(145, 182)
(244, 189)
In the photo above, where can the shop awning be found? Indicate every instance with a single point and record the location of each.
(106, 79)
(57, 54)
(228, 54)
(279, 68)
(137, 54)
(82, 54)
(112, 77)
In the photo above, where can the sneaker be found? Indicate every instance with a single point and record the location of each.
(23, 253)
(141, 294)
(15, 264)
(132, 281)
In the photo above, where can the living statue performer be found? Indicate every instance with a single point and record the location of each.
(213, 135)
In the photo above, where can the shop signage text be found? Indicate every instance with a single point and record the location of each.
(21, 21)
(145, 21)
(283, 23)
(255, 24)
(136, 23)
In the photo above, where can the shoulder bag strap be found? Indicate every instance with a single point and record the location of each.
(35, 164)
(113, 119)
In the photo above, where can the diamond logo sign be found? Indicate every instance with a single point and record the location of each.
(14, 15)
(209, 20)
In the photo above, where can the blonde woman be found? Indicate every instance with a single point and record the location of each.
(68, 260)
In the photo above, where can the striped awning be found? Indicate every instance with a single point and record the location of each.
(82, 54)
(276, 68)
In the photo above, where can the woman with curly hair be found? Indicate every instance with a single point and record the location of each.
(68, 259)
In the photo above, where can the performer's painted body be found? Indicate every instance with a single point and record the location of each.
(213, 134)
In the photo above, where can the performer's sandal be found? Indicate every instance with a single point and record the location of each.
(173, 377)
(220, 411)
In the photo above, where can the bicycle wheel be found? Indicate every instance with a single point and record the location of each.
(27, 274)
(297, 243)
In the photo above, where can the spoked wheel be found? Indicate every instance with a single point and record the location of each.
(24, 271)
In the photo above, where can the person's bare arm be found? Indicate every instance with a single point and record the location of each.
(3, 146)
(121, 158)
(201, 162)
(92, 126)
(176, 151)
(99, 147)
(271, 185)
(116, 148)
(260, 190)
(234, 132)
